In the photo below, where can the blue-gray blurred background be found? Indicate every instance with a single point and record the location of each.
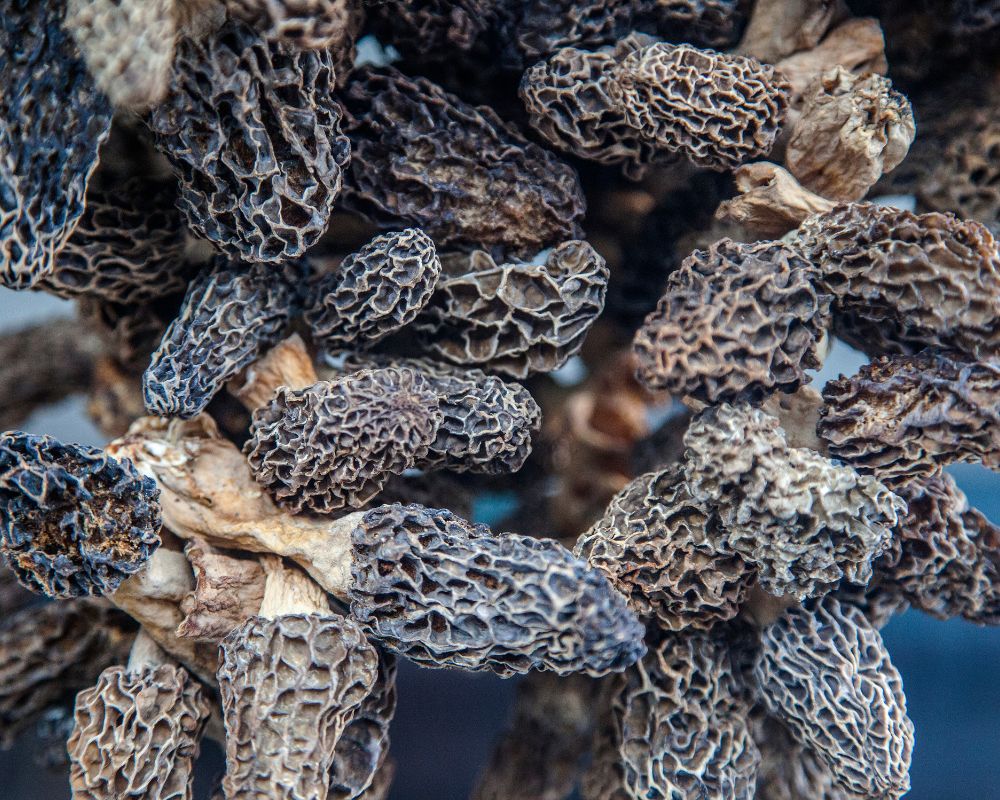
(447, 721)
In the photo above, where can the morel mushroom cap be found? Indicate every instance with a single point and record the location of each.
(73, 521)
(903, 417)
(375, 291)
(253, 133)
(54, 121)
(824, 672)
(516, 318)
(446, 593)
(946, 558)
(305, 24)
(459, 173)
(128, 46)
(291, 679)
(718, 110)
(737, 320)
(127, 248)
(788, 770)
(137, 731)
(228, 317)
(50, 652)
(333, 444)
(667, 554)
(801, 519)
(851, 130)
(679, 722)
(903, 281)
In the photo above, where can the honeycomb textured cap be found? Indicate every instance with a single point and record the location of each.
(431, 30)
(363, 747)
(289, 687)
(229, 316)
(516, 318)
(717, 110)
(804, 521)
(667, 554)
(128, 46)
(73, 521)
(851, 129)
(446, 593)
(127, 248)
(824, 672)
(461, 174)
(788, 770)
(137, 734)
(737, 320)
(333, 444)
(304, 24)
(902, 281)
(50, 652)
(375, 291)
(130, 332)
(680, 722)
(903, 417)
(253, 133)
(53, 122)
(573, 102)
(946, 557)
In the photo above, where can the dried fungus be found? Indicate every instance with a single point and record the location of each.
(304, 24)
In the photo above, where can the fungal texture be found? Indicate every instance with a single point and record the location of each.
(304, 24)
(446, 593)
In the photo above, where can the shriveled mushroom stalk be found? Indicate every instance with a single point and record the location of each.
(137, 732)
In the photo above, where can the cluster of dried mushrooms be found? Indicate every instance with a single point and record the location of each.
(331, 296)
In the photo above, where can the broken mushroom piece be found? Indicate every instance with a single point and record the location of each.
(333, 444)
(823, 670)
(137, 732)
(291, 679)
(73, 520)
(446, 593)
(228, 317)
(905, 417)
(737, 320)
(374, 292)
(803, 521)
(516, 317)
(667, 554)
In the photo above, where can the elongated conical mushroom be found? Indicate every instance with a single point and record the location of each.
(823, 670)
(137, 731)
(291, 680)
(73, 520)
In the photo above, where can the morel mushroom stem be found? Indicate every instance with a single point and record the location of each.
(288, 590)
(288, 363)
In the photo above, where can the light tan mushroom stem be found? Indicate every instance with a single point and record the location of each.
(771, 201)
(145, 653)
(288, 363)
(207, 491)
(290, 591)
(779, 28)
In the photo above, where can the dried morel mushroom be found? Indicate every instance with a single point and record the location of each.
(446, 593)
(903, 417)
(50, 652)
(679, 722)
(253, 132)
(128, 247)
(228, 317)
(822, 670)
(667, 554)
(516, 318)
(128, 46)
(459, 173)
(903, 281)
(737, 320)
(788, 770)
(718, 110)
(73, 521)
(946, 559)
(431, 30)
(52, 122)
(375, 291)
(804, 521)
(333, 444)
(851, 129)
(304, 24)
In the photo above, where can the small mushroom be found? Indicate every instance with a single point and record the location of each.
(137, 731)
(73, 520)
(291, 679)
(824, 672)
